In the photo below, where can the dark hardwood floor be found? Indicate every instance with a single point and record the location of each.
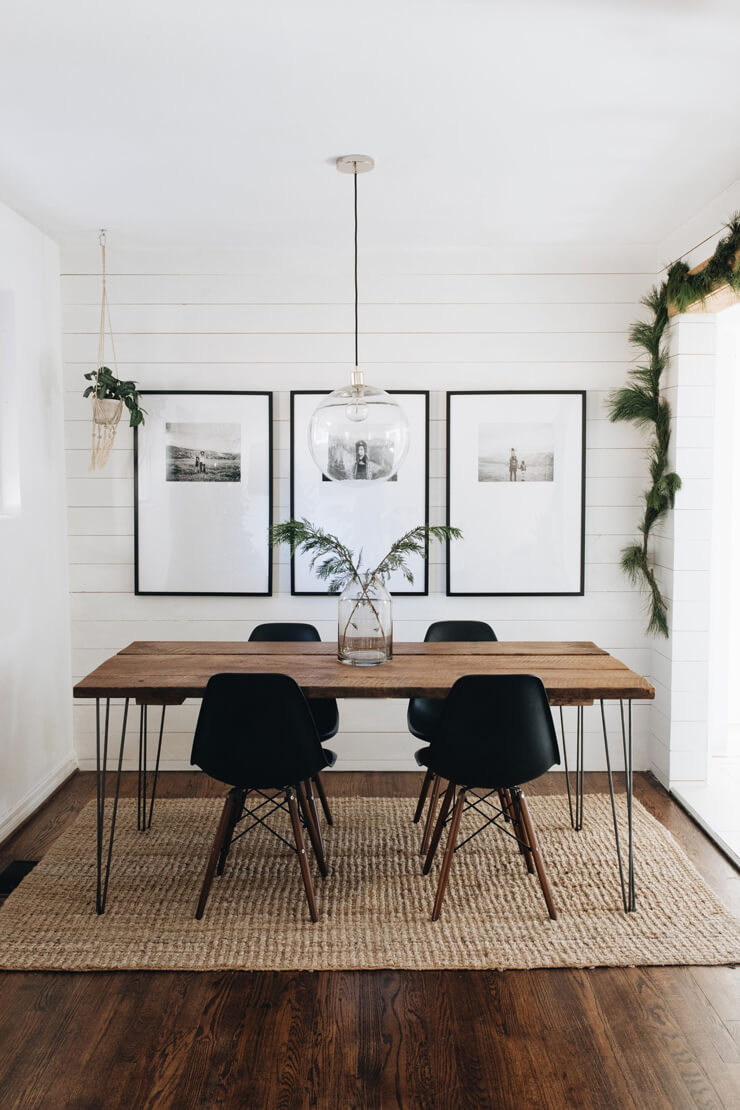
(642, 1038)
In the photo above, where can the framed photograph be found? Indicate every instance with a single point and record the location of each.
(373, 516)
(203, 493)
(516, 487)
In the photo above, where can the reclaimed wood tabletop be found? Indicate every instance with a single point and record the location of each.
(159, 672)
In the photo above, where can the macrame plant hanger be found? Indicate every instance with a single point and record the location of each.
(106, 412)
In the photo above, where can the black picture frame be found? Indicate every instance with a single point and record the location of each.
(579, 495)
(141, 431)
(294, 510)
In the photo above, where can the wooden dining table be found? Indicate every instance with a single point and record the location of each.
(162, 673)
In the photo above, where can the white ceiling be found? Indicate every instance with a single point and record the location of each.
(490, 122)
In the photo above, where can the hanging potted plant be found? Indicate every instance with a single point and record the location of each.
(109, 393)
(365, 620)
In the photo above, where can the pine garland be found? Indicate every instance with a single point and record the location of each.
(641, 403)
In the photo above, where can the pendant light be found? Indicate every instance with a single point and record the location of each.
(358, 433)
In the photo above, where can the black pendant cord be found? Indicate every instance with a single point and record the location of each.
(356, 293)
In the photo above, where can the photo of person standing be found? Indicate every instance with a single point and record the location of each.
(360, 470)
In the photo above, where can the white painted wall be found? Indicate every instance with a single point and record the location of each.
(36, 751)
(687, 673)
(519, 319)
(724, 615)
(683, 552)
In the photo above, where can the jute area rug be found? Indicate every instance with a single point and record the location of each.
(375, 905)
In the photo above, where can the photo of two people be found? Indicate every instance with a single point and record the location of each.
(203, 452)
(516, 452)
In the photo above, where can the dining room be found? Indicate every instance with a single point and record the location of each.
(366, 493)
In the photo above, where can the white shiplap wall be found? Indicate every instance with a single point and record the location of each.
(683, 555)
(525, 319)
(682, 665)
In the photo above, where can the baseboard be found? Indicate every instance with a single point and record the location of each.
(660, 776)
(36, 797)
(696, 817)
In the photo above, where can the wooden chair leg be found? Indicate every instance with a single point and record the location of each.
(311, 818)
(213, 859)
(437, 836)
(431, 813)
(520, 832)
(295, 821)
(538, 861)
(428, 777)
(449, 853)
(236, 813)
(505, 804)
(323, 799)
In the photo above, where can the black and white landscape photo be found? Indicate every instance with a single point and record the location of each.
(363, 458)
(516, 452)
(203, 452)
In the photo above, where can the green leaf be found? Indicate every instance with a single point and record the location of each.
(108, 387)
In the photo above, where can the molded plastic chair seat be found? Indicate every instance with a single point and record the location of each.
(255, 732)
(495, 733)
(446, 632)
(424, 717)
(424, 714)
(325, 710)
(326, 717)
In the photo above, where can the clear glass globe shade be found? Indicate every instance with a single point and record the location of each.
(358, 434)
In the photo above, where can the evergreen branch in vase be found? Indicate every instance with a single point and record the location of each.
(336, 564)
(414, 542)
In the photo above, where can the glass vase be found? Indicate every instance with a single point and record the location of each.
(365, 631)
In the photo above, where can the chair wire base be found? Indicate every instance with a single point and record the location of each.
(513, 809)
(303, 815)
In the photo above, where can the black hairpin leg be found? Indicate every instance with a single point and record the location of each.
(567, 771)
(580, 769)
(144, 820)
(627, 884)
(103, 874)
(627, 747)
(141, 787)
(575, 796)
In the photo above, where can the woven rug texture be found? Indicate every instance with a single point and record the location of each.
(375, 905)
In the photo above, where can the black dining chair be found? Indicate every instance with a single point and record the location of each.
(324, 710)
(496, 732)
(424, 714)
(256, 733)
